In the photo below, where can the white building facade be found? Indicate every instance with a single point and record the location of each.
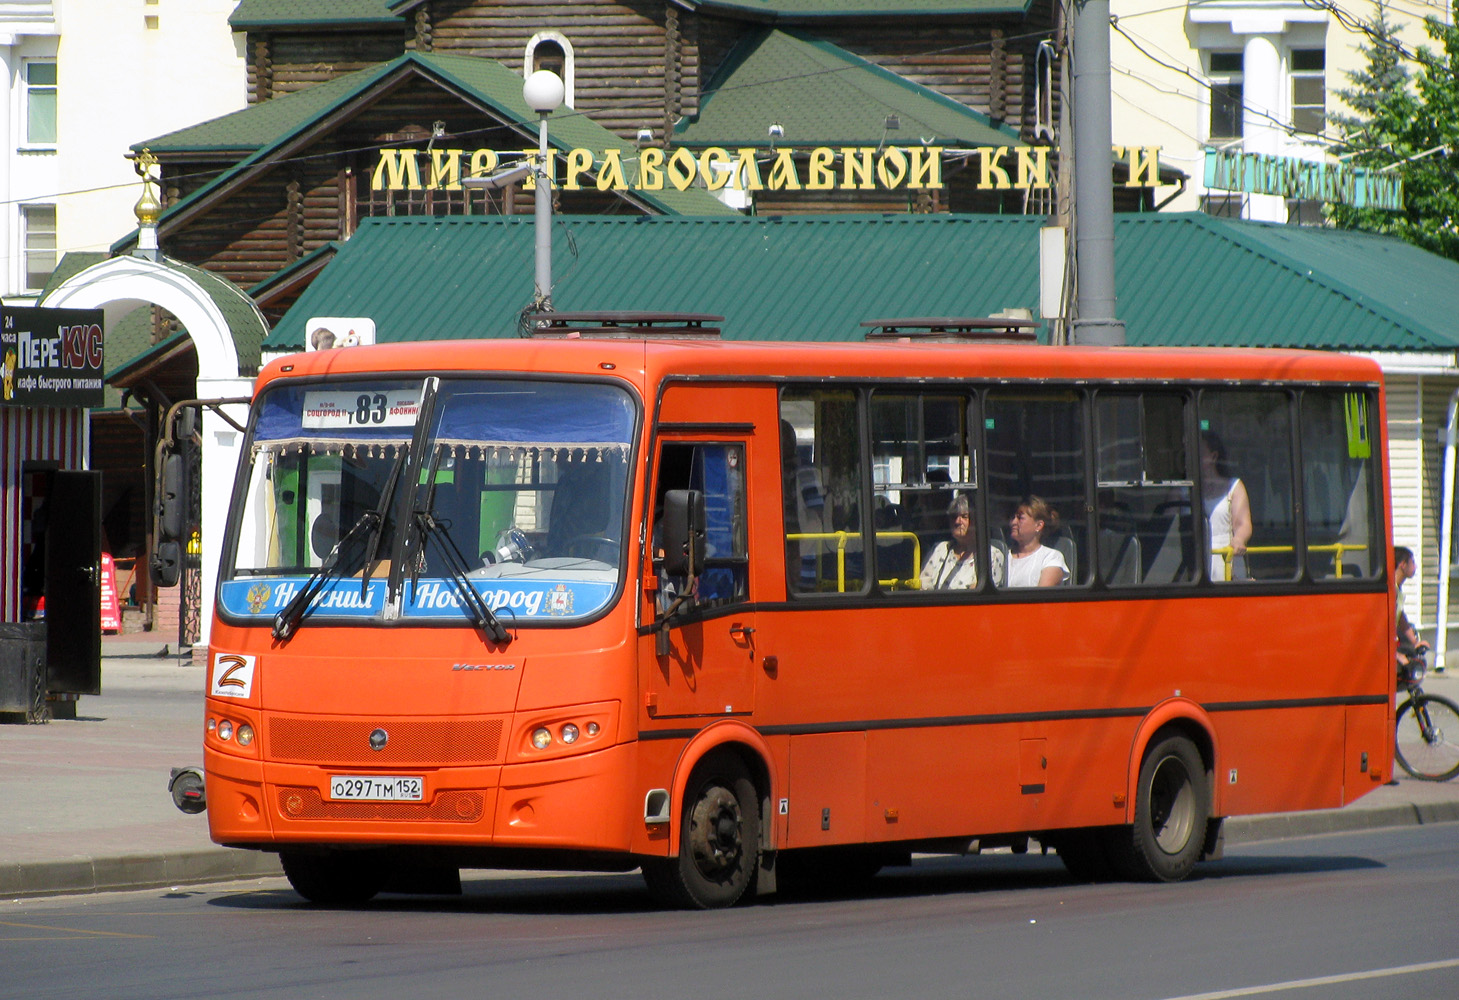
(1261, 76)
(86, 79)
(1258, 76)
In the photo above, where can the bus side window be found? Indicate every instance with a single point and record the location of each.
(1035, 448)
(922, 462)
(1146, 531)
(1245, 440)
(822, 482)
(718, 472)
(1343, 539)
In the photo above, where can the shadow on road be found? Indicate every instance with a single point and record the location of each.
(593, 894)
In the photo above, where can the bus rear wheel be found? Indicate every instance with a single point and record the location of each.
(333, 878)
(719, 841)
(1172, 806)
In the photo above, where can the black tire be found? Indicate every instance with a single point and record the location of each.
(1431, 756)
(1172, 805)
(719, 840)
(333, 878)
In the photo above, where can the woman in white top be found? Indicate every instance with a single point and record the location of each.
(1031, 563)
(1227, 508)
(952, 564)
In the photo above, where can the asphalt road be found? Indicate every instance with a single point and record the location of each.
(1343, 916)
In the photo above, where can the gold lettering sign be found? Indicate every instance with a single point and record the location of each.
(911, 168)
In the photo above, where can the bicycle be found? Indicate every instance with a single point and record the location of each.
(1428, 726)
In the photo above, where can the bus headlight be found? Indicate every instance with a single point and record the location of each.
(245, 734)
(225, 730)
(569, 733)
(541, 738)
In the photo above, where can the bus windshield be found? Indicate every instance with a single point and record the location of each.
(518, 491)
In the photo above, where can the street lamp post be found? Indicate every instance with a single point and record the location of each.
(543, 92)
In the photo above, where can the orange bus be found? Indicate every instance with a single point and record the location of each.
(755, 614)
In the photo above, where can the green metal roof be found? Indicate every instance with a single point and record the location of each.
(824, 95)
(1273, 285)
(786, 10)
(1181, 278)
(484, 81)
(302, 13)
(262, 124)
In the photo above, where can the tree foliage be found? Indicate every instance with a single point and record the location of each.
(1400, 116)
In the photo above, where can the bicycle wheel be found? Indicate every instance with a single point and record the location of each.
(1428, 738)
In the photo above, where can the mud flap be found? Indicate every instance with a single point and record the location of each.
(1214, 849)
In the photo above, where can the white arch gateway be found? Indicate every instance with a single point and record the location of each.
(214, 312)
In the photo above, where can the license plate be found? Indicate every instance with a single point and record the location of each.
(375, 789)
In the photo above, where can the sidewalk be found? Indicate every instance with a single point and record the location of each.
(84, 804)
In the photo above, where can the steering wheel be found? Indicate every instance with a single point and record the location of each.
(598, 543)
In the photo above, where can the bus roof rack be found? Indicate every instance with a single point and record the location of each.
(623, 324)
(942, 329)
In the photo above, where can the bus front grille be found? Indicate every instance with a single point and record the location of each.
(417, 742)
(448, 807)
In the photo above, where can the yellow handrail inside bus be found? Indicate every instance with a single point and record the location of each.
(842, 537)
(1227, 552)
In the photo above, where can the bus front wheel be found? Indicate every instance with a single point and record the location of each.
(1172, 805)
(333, 878)
(719, 840)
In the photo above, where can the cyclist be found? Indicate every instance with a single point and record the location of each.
(1409, 642)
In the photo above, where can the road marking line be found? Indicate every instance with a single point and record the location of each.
(72, 930)
(1302, 984)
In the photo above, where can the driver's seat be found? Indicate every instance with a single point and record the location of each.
(583, 504)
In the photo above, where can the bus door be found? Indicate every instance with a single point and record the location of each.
(700, 657)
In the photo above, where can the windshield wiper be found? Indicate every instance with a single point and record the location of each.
(476, 607)
(423, 519)
(373, 545)
(286, 622)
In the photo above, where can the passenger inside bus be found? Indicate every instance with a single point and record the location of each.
(1031, 563)
(805, 505)
(1227, 508)
(953, 564)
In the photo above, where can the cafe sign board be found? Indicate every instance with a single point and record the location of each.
(51, 357)
(846, 168)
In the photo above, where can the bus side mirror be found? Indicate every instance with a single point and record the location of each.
(683, 535)
(171, 505)
(170, 490)
(166, 563)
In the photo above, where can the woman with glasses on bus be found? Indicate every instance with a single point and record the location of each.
(1031, 563)
(953, 564)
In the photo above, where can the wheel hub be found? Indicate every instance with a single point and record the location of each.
(715, 832)
(1172, 805)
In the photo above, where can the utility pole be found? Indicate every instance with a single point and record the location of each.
(1094, 241)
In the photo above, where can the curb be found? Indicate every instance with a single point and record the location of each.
(136, 871)
(1281, 826)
